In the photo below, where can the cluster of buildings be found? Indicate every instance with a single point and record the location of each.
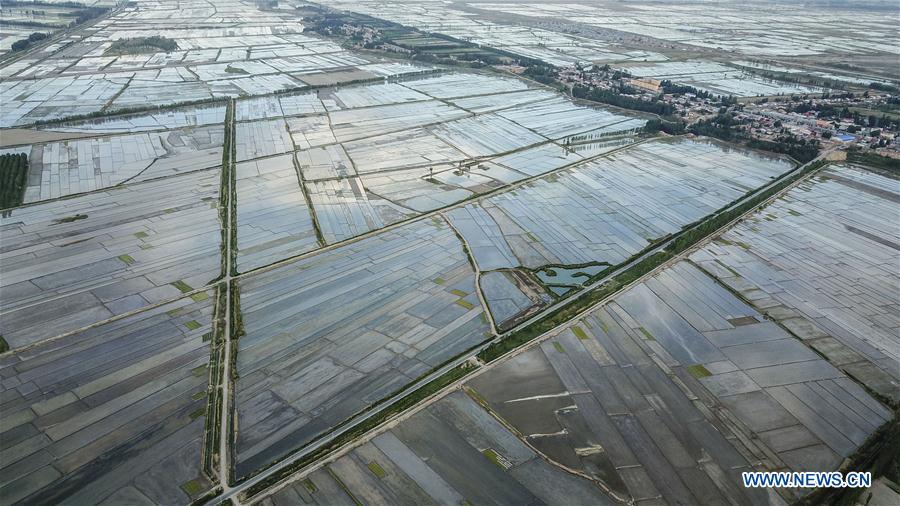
(769, 119)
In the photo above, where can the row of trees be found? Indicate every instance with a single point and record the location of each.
(139, 45)
(680, 89)
(616, 98)
(82, 15)
(26, 43)
(13, 178)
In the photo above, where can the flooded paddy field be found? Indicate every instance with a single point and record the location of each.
(171, 119)
(371, 155)
(273, 216)
(719, 79)
(634, 395)
(606, 210)
(110, 415)
(57, 169)
(453, 452)
(668, 393)
(213, 59)
(678, 384)
(768, 31)
(822, 261)
(72, 262)
(329, 335)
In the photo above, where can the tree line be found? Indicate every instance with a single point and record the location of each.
(13, 178)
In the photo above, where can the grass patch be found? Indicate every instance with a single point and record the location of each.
(698, 371)
(199, 296)
(4, 346)
(127, 259)
(439, 281)
(647, 334)
(459, 293)
(193, 325)
(198, 412)
(493, 457)
(181, 285)
(192, 487)
(310, 486)
(198, 395)
(794, 213)
(466, 304)
(559, 347)
(376, 469)
(579, 333)
(199, 370)
(141, 234)
(235, 70)
(70, 219)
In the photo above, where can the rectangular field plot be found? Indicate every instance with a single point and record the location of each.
(539, 159)
(462, 85)
(69, 263)
(344, 209)
(822, 260)
(559, 118)
(310, 131)
(453, 452)
(114, 414)
(487, 134)
(611, 208)
(488, 103)
(331, 334)
(358, 123)
(170, 119)
(377, 94)
(327, 162)
(410, 148)
(414, 189)
(63, 168)
(256, 139)
(274, 221)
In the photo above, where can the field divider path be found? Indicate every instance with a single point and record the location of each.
(254, 485)
(230, 238)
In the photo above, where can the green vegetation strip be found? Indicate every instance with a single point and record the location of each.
(13, 178)
(214, 399)
(698, 371)
(875, 160)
